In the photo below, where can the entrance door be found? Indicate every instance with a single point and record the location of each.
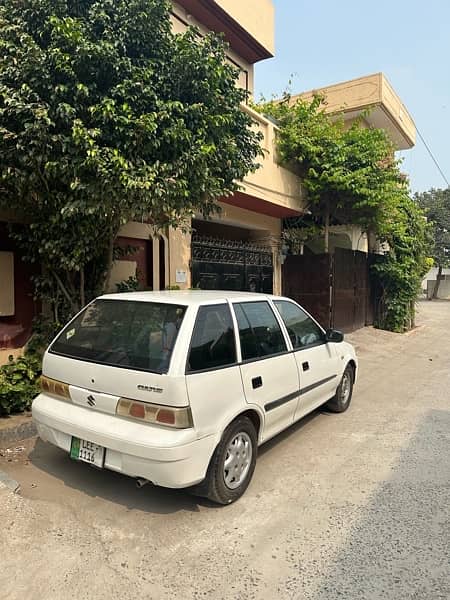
(231, 265)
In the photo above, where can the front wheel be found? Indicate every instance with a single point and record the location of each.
(341, 400)
(232, 464)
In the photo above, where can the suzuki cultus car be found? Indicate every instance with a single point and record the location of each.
(180, 388)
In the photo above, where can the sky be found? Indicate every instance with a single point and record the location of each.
(321, 42)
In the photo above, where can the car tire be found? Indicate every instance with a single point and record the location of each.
(341, 400)
(232, 464)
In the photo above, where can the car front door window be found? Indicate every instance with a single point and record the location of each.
(259, 332)
(303, 331)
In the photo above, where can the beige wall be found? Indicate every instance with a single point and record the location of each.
(397, 109)
(233, 215)
(271, 182)
(121, 271)
(246, 76)
(7, 307)
(373, 93)
(255, 16)
(177, 256)
(15, 353)
(179, 267)
(342, 236)
(346, 95)
(357, 237)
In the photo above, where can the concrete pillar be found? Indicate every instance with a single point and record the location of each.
(179, 259)
(155, 247)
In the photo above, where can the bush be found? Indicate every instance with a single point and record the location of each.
(19, 383)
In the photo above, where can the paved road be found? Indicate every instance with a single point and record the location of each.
(353, 506)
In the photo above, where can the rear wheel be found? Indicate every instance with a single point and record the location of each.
(232, 464)
(341, 400)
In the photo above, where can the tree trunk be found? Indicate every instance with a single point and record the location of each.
(82, 292)
(73, 306)
(109, 263)
(326, 240)
(437, 284)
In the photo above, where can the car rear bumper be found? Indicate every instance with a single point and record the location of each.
(172, 458)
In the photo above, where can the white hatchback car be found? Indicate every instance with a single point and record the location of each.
(180, 388)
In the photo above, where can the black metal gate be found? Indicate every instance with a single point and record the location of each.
(231, 265)
(350, 289)
(335, 288)
(307, 279)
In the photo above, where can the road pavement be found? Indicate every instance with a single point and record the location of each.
(353, 506)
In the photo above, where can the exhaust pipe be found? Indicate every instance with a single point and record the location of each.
(140, 482)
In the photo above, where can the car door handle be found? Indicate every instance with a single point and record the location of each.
(305, 366)
(257, 382)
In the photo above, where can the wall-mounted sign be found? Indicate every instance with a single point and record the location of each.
(180, 276)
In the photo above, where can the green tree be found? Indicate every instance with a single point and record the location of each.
(436, 204)
(346, 171)
(351, 176)
(400, 272)
(106, 116)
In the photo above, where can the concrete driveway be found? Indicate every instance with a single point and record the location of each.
(352, 506)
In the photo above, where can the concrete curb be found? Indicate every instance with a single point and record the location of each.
(11, 484)
(17, 433)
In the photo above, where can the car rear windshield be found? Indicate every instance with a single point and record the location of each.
(123, 333)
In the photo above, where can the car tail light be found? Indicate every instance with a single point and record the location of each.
(55, 388)
(179, 418)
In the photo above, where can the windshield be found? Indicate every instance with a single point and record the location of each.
(123, 333)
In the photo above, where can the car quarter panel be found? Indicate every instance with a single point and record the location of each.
(216, 397)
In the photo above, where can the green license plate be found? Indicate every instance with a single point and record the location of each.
(87, 452)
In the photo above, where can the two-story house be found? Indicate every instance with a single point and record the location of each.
(240, 247)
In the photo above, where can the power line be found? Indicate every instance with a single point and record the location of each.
(433, 158)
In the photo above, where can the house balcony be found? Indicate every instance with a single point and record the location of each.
(374, 99)
(272, 190)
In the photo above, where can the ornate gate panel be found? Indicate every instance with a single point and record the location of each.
(231, 265)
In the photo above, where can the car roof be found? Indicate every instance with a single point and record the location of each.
(187, 297)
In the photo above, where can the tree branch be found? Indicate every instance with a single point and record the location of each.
(64, 291)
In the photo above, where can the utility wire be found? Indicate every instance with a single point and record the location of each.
(432, 156)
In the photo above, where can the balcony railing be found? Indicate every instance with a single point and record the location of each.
(271, 181)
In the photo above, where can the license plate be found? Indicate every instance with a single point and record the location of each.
(87, 452)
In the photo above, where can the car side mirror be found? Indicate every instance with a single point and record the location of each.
(333, 335)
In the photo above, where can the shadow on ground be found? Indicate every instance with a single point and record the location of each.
(121, 489)
(109, 485)
(399, 548)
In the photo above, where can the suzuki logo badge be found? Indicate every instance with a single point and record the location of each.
(91, 400)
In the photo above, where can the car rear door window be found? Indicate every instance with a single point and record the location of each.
(259, 331)
(303, 331)
(213, 343)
